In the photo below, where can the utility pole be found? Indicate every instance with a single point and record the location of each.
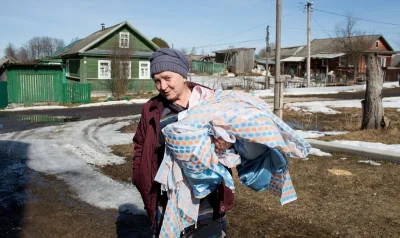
(278, 90)
(308, 5)
(267, 49)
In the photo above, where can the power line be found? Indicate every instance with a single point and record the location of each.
(358, 18)
(239, 33)
(232, 43)
(313, 18)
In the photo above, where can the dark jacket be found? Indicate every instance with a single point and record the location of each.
(146, 162)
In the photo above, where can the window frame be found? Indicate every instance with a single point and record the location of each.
(147, 76)
(383, 61)
(120, 39)
(376, 44)
(99, 76)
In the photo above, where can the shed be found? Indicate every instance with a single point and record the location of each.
(238, 60)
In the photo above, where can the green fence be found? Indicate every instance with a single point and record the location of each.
(208, 67)
(76, 93)
(3, 95)
(30, 84)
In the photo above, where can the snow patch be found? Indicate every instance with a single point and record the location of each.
(370, 145)
(316, 134)
(319, 90)
(323, 106)
(73, 152)
(318, 152)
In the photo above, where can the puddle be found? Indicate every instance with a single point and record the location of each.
(295, 125)
(46, 118)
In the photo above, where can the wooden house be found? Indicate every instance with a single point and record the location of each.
(88, 60)
(238, 60)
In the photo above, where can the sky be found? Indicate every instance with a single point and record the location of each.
(206, 25)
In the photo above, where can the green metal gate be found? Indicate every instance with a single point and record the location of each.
(76, 92)
(3, 95)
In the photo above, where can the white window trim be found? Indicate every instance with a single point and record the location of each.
(376, 44)
(67, 73)
(148, 70)
(130, 68)
(120, 38)
(99, 76)
(383, 61)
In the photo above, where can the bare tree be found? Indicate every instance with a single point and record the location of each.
(262, 53)
(351, 41)
(10, 51)
(355, 44)
(193, 51)
(23, 54)
(120, 70)
(40, 47)
(184, 51)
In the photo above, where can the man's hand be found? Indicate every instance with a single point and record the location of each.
(221, 145)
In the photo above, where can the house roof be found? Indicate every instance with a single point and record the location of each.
(288, 51)
(233, 50)
(293, 59)
(328, 45)
(327, 56)
(7, 60)
(82, 45)
(395, 61)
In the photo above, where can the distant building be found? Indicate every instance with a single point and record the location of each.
(238, 60)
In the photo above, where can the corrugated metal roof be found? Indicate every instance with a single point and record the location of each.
(263, 61)
(293, 59)
(327, 56)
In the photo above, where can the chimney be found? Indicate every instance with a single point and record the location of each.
(103, 26)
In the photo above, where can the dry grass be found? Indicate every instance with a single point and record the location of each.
(131, 128)
(348, 120)
(122, 172)
(364, 204)
(356, 200)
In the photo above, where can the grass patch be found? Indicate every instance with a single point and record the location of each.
(122, 172)
(348, 120)
(363, 204)
(131, 128)
(360, 201)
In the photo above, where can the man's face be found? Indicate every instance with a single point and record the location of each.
(170, 84)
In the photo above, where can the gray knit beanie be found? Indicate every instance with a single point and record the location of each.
(166, 59)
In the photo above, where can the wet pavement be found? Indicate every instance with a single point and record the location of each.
(25, 120)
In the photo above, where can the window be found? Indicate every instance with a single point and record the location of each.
(125, 68)
(144, 70)
(324, 62)
(376, 44)
(342, 61)
(104, 69)
(351, 62)
(383, 61)
(123, 40)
